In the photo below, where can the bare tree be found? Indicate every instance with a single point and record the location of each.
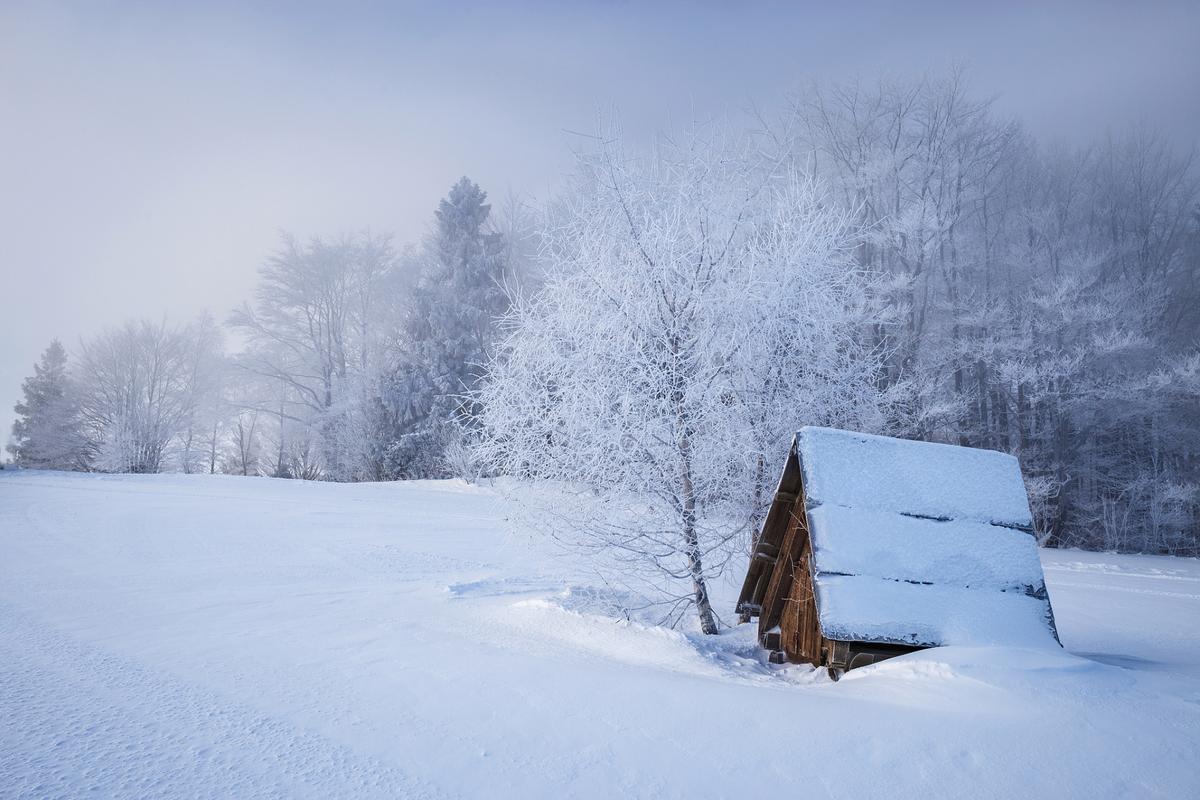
(313, 330)
(245, 445)
(137, 394)
(207, 407)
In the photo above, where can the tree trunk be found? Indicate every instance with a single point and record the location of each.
(756, 514)
(212, 452)
(708, 621)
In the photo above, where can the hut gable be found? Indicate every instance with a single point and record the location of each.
(891, 545)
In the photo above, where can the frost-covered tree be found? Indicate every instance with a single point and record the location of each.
(1031, 297)
(208, 408)
(455, 304)
(244, 454)
(48, 433)
(316, 330)
(137, 394)
(697, 307)
(810, 360)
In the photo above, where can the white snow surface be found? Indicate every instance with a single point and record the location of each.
(196, 636)
(859, 470)
(862, 608)
(946, 576)
(958, 552)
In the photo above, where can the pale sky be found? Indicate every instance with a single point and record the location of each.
(149, 153)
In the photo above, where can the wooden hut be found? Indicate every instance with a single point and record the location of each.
(875, 546)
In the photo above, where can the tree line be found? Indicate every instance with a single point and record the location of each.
(356, 363)
(889, 257)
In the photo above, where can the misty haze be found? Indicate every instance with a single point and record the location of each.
(686, 399)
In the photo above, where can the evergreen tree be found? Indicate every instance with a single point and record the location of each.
(47, 433)
(458, 298)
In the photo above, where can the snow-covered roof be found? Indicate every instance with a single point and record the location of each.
(919, 543)
(858, 470)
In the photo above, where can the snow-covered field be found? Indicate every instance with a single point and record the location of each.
(195, 636)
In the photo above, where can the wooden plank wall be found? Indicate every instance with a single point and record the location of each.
(780, 584)
(801, 637)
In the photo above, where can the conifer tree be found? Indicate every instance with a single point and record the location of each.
(47, 433)
(457, 300)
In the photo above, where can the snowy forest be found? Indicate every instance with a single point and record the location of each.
(889, 257)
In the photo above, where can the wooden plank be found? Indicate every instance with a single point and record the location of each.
(777, 585)
(810, 649)
(838, 654)
(781, 577)
(799, 625)
(767, 549)
(754, 573)
(789, 624)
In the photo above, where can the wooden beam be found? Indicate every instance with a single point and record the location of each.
(767, 549)
(781, 576)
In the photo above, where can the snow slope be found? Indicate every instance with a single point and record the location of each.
(165, 636)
